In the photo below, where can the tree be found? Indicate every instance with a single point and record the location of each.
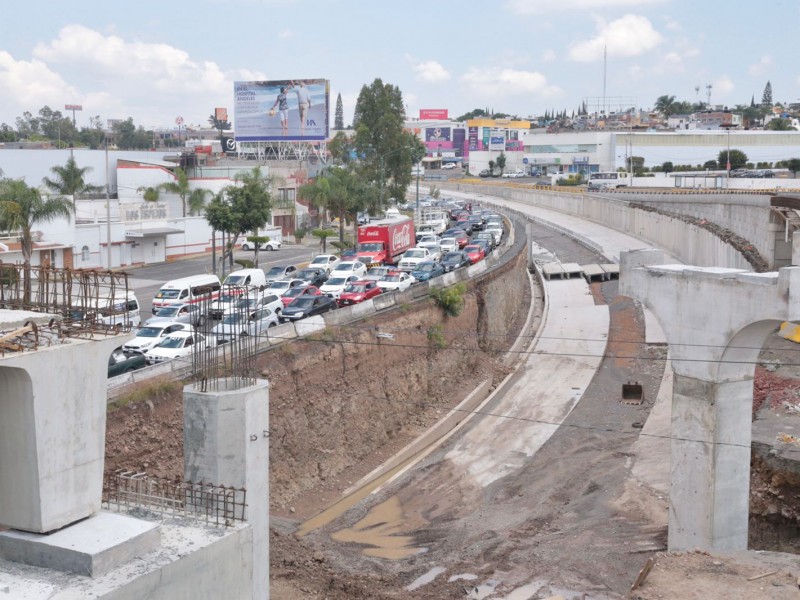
(180, 187)
(711, 164)
(665, 105)
(779, 124)
(69, 180)
(197, 200)
(667, 167)
(149, 193)
(766, 97)
(341, 148)
(501, 162)
(243, 207)
(338, 120)
(219, 124)
(21, 207)
(323, 235)
(340, 191)
(491, 167)
(380, 141)
(793, 164)
(737, 158)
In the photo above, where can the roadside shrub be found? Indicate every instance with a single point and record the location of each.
(572, 179)
(244, 263)
(451, 299)
(436, 336)
(148, 391)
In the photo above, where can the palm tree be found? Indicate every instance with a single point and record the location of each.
(69, 180)
(197, 200)
(180, 186)
(20, 208)
(665, 105)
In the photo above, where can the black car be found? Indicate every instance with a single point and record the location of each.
(307, 306)
(476, 221)
(455, 260)
(121, 362)
(313, 276)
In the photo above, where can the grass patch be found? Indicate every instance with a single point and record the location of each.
(436, 337)
(147, 390)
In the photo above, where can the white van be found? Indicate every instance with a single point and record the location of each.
(250, 278)
(187, 290)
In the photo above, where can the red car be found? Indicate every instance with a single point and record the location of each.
(475, 253)
(299, 292)
(358, 291)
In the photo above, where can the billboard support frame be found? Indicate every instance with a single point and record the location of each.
(280, 150)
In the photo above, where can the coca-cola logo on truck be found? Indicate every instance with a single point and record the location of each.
(402, 236)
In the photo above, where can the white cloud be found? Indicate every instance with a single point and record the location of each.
(631, 35)
(115, 77)
(430, 71)
(29, 85)
(548, 55)
(286, 34)
(498, 83)
(722, 86)
(532, 7)
(762, 67)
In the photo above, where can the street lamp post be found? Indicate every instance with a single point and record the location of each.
(108, 211)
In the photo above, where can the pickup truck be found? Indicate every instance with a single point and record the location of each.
(413, 257)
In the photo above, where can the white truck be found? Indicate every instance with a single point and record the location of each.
(413, 257)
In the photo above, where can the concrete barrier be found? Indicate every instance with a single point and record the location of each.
(448, 279)
(363, 309)
(340, 316)
(476, 269)
(283, 332)
(423, 289)
(309, 325)
(384, 301)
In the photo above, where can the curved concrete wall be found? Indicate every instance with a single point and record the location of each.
(689, 243)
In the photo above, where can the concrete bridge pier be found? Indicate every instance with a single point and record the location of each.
(715, 321)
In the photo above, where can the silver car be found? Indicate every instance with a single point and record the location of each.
(177, 313)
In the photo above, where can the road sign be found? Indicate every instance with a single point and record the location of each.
(178, 120)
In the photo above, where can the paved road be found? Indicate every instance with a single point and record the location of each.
(146, 281)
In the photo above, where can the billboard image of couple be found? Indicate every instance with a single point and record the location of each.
(286, 109)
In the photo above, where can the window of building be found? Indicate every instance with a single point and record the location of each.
(85, 254)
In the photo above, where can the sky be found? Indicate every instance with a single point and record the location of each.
(155, 61)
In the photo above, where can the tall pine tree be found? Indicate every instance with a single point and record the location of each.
(338, 120)
(766, 99)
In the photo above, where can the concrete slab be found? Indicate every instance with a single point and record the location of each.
(571, 344)
(611, 270)
(593, 273)
(553, 270)
(572, 269)
(14, 319)
(90, 547)
(339, 316)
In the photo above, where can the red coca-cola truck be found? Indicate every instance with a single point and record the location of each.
(384, 242)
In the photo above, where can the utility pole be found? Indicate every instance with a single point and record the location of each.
(108, 211)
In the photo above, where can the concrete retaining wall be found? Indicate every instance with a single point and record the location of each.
(689, 243)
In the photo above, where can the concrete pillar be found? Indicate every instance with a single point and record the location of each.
(226, 443)
(710, 477)
(52, 433)
(715, 321)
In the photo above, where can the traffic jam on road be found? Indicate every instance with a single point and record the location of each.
(392, 254)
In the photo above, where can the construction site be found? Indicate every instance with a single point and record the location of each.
(613, 413)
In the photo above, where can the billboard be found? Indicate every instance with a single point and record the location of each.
(221, 114)
(473, 139)
(432, 114)
(437, 134)
(285, 109)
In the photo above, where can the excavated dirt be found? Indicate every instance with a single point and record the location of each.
(345, 401)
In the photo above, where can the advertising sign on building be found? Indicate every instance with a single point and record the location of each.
(497, 141)
(437, 134)
(473, 139)
(286, 110)
(433, 114)
(221, 114)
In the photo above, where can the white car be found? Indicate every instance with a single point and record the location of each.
(430, 242)
(147, 337)
(413, 257)
(324, 261)
(396, 281)
(447, 244)
(177, 313)
(350, 267)
(377, 273)
(281, 285)
(270, 246)
(242, 323)
(496, 231)
(336, 284)
(449, 166)
(175, 345)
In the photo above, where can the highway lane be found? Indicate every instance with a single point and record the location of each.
(147, 280)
